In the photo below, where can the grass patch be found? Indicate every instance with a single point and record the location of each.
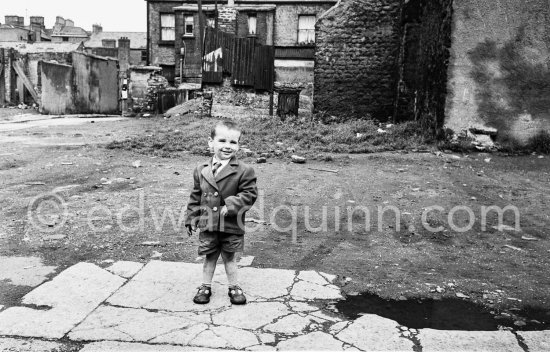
(267, 134)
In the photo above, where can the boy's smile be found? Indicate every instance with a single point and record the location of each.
(225, 143)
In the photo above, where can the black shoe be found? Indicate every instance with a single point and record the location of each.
(203, 295)
(236, 295)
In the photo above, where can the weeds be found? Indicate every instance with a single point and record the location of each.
(267, 134)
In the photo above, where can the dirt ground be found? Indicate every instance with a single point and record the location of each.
(105, 191)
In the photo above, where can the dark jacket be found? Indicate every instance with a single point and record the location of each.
(234, 186)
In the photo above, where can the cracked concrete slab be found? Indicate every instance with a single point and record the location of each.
(537, 341)
(290, 325)
(71, 296)
(125, 269)
(371, 332)
(116, 346)
(446, 340)
(315, 341)
(24, 271)
(313, 277)
(180, 337)
(302, 307)
(304, 290)
(19, 345)
(252, 315)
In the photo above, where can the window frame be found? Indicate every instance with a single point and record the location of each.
(161, 38)
(312, 30)
(185, 17)
(255, 16)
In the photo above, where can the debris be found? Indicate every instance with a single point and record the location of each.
(261, 160)
(520, 323)
(136, 164)
(66, 163)
(146, 115)
(527, 238)
(401, 170)
(503, 228)
(198, 259)
(150, 243)
(389, 125)
(473, 198)
(406, 333)
(54, 237)
(246, 261)
(513, 247)
(439, 289)
(108, 261)
(487, 160)
(261, 222)
(156, 255)
(514, 299)
(35, 183)
(324, 170)
(298, 159)
(415, 189)
(382, 131)
(461, 295)
(541, 156)
(359, 135)
(488, 131)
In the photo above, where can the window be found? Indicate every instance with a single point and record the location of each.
(211, 21)
(65, 39)
(144, 55)
(167, 27)
(189, 24)
(306, 29)
(252, 20)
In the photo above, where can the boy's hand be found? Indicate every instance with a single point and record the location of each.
(189, 230)
(223, 212)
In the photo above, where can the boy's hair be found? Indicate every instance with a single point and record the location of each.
(230, 125)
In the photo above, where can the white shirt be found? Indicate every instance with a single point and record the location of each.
(222, 162)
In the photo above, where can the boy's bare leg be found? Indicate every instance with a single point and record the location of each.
(230, 262)
(209, 267)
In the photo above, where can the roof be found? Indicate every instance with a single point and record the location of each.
(41, 47)
(193, 7)
(69, 31)
(266, 2)
(138, 40)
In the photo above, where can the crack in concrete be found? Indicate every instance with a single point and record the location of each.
(413, 337)
(521, 341)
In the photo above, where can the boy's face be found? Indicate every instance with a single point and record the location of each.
(225, 143)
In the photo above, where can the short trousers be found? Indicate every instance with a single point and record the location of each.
(214, 241)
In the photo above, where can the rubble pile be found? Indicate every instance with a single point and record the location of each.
(154, 84)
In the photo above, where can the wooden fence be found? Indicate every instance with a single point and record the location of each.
(247, 62)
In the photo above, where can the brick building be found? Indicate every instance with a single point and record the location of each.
(288, 25)
(64, 30)
(106, 44)
(15, 30)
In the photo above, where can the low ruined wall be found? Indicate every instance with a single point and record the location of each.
(499, 68)
(357, 47)
(57, 89)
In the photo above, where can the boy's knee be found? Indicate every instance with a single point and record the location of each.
(228, 256)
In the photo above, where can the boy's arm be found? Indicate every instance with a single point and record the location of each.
(193, 205)
(246, 196)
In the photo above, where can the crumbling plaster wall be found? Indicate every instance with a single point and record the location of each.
(499, 67)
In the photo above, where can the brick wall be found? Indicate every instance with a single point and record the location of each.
(227, 19)
(286, 21)
(160, 53)
(261, 26)
(357, 47)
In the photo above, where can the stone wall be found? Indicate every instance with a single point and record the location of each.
(499, 67)
(357, 48)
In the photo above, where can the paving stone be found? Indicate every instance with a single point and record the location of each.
(537, 341)
(329, 277)
(170, 272)
(252, 315)
(302, 307)
(246, 261)
(181, 337)
(1, 307)
(267, 338)
(336, 328)
(116, 346)
(266, 283)
(291, 324)
(125, 269)
(371, 332)
(19, 345)
(124, 324)
(315, 341)
(304, 290)
(313, 277)
(208, 338)
(175, 296)
(24, 271)
(438, 340)
(73, 294)
(236, 338)
(326, 317)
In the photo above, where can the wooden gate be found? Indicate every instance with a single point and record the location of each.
(247, 62)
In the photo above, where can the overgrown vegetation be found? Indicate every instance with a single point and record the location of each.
(267, 134)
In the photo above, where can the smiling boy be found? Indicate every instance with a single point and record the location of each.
(224, 189)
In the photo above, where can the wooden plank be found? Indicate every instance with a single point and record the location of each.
(21, 73)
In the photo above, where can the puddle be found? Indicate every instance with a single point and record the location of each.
(444, 314)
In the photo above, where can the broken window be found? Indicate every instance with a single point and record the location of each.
(167, 27)
(252, 20)
(189, 23)
(306, 29)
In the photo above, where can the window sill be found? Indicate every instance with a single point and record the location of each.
(188, 36)
(166, 42)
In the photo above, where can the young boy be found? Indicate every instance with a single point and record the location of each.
(224, 189)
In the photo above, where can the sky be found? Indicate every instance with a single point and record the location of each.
(113, 15)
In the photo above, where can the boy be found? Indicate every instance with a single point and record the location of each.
(224, 189)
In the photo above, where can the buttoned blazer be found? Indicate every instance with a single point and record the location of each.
(234, 186)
